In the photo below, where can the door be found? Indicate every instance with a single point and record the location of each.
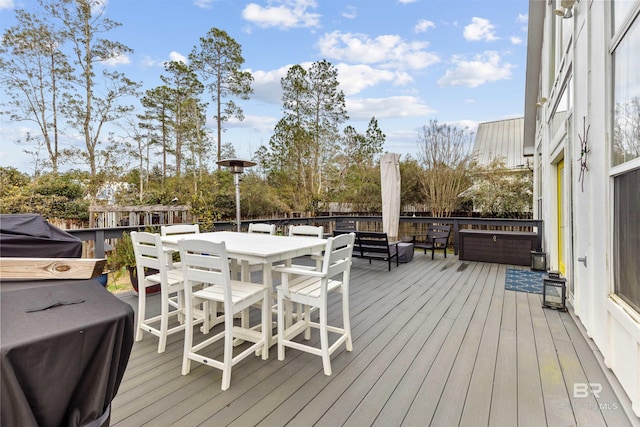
(561, 230)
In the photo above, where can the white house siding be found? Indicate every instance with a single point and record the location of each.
(580, 55)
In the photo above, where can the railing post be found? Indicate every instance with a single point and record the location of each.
(540, 234)
(456, 227)
(98, 248)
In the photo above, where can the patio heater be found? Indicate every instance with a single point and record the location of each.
(236, 167)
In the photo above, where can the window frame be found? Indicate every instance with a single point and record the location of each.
(619, 28)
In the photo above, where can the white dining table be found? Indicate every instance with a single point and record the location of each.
(255, 248)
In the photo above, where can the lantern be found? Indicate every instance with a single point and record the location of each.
(554, 291)
(538, 261)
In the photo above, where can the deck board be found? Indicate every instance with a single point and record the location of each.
(554, 390)
(530, 398)
(478, 395)
(436, 342)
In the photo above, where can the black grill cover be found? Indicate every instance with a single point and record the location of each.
(31, 236)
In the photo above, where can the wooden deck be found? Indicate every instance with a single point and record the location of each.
(435, 343)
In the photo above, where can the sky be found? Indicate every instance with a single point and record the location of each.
(406, 62)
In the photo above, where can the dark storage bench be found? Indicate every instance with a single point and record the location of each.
(502, 247)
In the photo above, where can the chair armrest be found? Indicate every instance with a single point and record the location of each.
(298, 271)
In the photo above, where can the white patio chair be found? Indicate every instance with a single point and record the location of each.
(257, 227)
(207, 263)
(306, 230)
(169, 230)
(246, 270)
(311, 288)
(309, 231)
(150, 254)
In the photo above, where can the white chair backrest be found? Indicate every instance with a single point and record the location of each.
(262, 228)
(207, 263)
(306, 230)
(149, 253)
(337, 256)
(167, 230)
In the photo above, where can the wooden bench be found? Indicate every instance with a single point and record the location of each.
(373, 245)
(437, 237)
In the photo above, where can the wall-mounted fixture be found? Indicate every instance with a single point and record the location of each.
(541, 102)
(566, 11)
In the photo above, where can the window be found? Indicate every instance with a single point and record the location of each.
(621, 9)
(626, 114)
(562, 109)
(627, 237)
(625, 152)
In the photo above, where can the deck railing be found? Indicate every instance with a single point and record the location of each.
(409, 225)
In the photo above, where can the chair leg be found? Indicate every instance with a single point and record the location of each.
(181, 306)
(280, 326)
(142, 303)
(346, 323)
(307, 320)
(228, 351)
(206, 314)
(324, 339)
(188, 340)
(164, 321)
(267, 316)
(244, 318)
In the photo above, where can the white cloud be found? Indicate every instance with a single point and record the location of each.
(203, 4)
(515, 40)
(284, 14)
(175, 56)
(407, 1)
(480, 29)
(266, 85)
(355, 78)
(387, 50)
(259, 124)
(523, 19)
(118, 60)
(6, 4)
(485, 68)
(350, 12)
(382, 108)
(423, 25)
(98, 7)
(469, 125)
(148, 62)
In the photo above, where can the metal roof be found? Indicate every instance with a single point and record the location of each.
(501, 138)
